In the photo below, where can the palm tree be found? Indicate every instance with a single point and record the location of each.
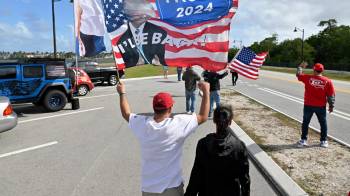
(330, 24)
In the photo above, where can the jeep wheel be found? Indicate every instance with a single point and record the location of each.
(54, 100)
(112, 81)
(83, 90)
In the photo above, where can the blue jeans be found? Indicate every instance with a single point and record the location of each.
(321, 113)
(179, 72)
(190, 100)
(214, 96)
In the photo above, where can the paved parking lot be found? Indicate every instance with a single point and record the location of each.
(89, 151)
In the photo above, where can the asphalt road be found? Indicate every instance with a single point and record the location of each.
(285, 93)
(90, 151)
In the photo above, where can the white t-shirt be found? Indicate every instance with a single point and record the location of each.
(92, 20)
(161, 149)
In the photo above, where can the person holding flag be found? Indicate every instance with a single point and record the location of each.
(318, 91)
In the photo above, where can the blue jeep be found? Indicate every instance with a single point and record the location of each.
(39, 81)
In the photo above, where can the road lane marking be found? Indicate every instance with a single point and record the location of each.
(337, 113)
(302, 100)
(313, 128)
(59, 115)
(98, 96)
(28, 149)
(297, 82)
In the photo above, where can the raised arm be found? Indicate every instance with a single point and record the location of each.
(124, 105)
(204, 109)
(300, 68)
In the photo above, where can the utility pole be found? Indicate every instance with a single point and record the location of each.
(296, 29)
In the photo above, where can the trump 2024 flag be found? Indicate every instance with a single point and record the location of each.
(170, 32)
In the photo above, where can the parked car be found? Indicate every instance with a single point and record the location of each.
(81, 81)
(40, 81)
(97, 73)
(8, 118)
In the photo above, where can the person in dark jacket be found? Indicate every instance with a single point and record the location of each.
(221, 166)
(191, 78)
(213, 79)
(234, 77)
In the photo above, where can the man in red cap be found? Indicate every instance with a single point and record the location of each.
(161, 139)
(318, 91)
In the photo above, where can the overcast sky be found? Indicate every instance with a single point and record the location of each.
(26, 24)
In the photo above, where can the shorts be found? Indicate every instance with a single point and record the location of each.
(165, 68)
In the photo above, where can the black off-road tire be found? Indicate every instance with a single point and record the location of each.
(54, 100)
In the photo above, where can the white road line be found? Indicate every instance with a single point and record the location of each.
(337, 113)
(97, 96)
(59, 115)
(313, 128)
(28, 149)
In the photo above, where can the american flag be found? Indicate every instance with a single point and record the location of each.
(115, 21)
(247, 63)
(210, 39)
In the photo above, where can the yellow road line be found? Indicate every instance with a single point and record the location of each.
(297, 82)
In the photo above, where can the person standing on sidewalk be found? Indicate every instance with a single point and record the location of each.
(318, 91)
(179, 72)
(234, 77)
(161, 140)
(190, 77)
(221, 165)
(214, 80)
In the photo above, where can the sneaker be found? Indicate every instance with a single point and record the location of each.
(209, 115)
(324, 144)
(189, 112)
(301, 143)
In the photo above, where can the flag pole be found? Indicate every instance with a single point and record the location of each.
(116, 64)
(76, 44)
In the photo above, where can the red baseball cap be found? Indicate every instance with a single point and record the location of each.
(319, 67)
(162, 101)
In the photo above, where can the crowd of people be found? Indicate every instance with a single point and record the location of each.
(221, 165)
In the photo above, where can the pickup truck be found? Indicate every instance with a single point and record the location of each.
(43, 82)
(96, 73)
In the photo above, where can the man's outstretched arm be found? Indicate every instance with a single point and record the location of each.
(124, 105)
(204, 109)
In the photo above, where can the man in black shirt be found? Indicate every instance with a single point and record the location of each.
(191, 78)
(213, 79)
(221, 166)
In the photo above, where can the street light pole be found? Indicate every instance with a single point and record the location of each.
(54, 29)
(302, 41)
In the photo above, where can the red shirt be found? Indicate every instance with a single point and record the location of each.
(317, 89)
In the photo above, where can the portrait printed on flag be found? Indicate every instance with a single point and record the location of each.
(170, 32)
(142, 42)
(89, 27)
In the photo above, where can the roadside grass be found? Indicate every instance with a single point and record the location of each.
(311, 181)
(333, 75)
(147, 70)
(143, 70)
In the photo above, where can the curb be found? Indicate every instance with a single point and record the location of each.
(284, 184)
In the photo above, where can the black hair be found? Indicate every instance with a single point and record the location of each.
(223, 115)
(161, 111)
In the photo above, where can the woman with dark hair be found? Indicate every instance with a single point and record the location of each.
(221, 166)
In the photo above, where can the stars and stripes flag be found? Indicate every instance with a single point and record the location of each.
(197, 31)
(247, 63)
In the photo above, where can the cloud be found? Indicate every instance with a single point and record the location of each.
(18, 31)
(256, 20)
(35, 23)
